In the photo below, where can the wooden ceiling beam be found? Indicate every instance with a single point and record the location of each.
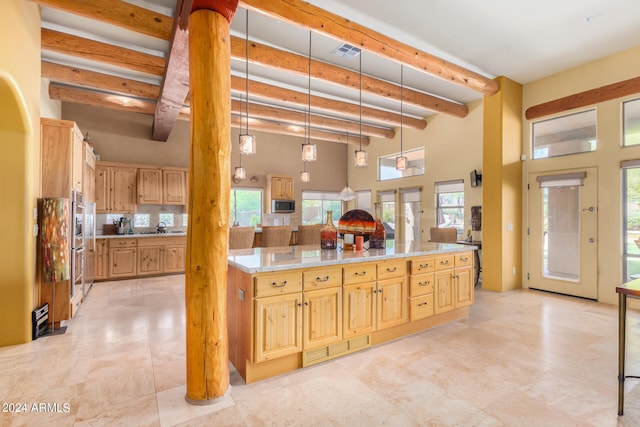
(175, 82)
(319, 20)
(102, 52)
(82, 77)
(267, 91)
(117, 12)
(300, 118)
(298, 64)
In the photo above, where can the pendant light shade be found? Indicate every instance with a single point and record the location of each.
(309, 152)
(347, 194)
(360, 156)
(239, 173)
(246, 140)
(401, 162)
(304, 176)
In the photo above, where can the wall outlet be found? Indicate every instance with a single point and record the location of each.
(241, 294)
(509, 227)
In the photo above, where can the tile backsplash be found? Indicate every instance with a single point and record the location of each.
(154, 213)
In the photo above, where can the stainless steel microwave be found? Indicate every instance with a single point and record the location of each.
(283, 206)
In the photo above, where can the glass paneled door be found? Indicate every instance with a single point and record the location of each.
(563, 217)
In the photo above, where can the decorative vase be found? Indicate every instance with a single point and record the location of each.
(329, 233)
(377, 240)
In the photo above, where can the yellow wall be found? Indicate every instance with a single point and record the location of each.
(19, 168)
(606, 159)
(502, 189)
(453, 148)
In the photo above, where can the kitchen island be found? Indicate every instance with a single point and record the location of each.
(291, 307)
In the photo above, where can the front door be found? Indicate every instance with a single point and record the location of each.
(562, 232)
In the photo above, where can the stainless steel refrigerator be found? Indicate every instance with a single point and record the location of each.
(90, 245)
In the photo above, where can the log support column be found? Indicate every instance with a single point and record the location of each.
(209, 193)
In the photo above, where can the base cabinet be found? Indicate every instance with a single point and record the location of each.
(174, 258)
(122, 262)
(149, 260)
(102, 259)
(278, 326)
(359, 309)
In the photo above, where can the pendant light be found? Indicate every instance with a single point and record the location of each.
(347, 193)
(304, 175)
(401, 161)
(247, 141)
(360, 156)
(308, 149)
(239, 173)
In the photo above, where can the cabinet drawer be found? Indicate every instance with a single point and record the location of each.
(421, 284)
(278, 283)
(463, 259)
(391, 269)
(444, 262)
(422, 265)
(324, 278)
(123, 243)
(420, 307)
(358, 273)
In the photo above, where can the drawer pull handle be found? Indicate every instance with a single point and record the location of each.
(322, 279)
(364, 273)
(421, 266)
(445, 262)
(391, 270)
(465, 259)
(424, 283)
(275, 284)
(422, 303)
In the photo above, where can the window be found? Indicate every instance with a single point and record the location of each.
(141, 220)
(571, 134)
(631, 113)
(450, 204)
(113, 218)
(167, 218)
(363, 200)
(185, 217)
(315, 205)
(631, 219)
(246, 206)
(410, 198)
(388, 201)
(415, 165)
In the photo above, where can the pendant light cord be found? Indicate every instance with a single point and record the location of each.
(246, 68)
(401, 102)
(360, 102)
(309, 91)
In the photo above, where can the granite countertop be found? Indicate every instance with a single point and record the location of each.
(141, 235)
(262, 260)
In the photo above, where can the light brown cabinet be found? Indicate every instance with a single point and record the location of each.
(453, 281)
(162, 186)
(149, 186)
(149, 260)
(174, 258)
(322, 307)
(278, 187)
(62, 154)
(122, 258)
(115, 189)
(102, 260)
(161, 255)
(174, 187)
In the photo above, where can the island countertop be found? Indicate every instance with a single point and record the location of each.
(263, 260)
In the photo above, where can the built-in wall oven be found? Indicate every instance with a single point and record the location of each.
(77, 243)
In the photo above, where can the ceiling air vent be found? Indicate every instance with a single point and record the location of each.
(346, 51)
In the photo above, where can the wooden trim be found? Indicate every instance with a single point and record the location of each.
(583, 99)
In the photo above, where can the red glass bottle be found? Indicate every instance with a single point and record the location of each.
(329, 233)
(377, 239)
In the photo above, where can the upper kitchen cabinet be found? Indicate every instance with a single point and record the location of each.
(89, 174)
(62, 157)
(279, 187)
(162, 186)
(115, 189)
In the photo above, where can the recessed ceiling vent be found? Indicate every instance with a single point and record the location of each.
(346, 51)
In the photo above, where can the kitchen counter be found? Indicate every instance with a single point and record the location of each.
(141, 235)
(262, 260)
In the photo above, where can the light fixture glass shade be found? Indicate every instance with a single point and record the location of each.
(239, 173)
(305, 176)
(347, 194)
(401, 163)
(308, 152)
(360, 159)
(247, 144)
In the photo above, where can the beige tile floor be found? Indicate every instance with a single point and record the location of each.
(522, 358)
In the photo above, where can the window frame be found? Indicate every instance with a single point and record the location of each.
(322, 196)
(233, 214)
(445, 188)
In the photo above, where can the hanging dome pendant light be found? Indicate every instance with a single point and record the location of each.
(246, 140)
(401, 161)
(309, 153)
(360, 156)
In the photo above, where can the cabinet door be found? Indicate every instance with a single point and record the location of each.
(102, 259)
(78, 160)
(277, 192)
(443, 291)
(102, 189)
(391, 302)
(464, 279)
(122, 262)
(89, 177)
(174, 259)
(322, 317)
(358, 309)
(149, 186)
(287, 188)
(123, 189)
(174, 187)
(278, 326)
(149, 260)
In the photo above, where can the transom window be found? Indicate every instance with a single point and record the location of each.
(631, 113)
(560, 136)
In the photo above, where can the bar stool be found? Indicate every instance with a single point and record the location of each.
(309, 234)
(241, 237)
(275, 235)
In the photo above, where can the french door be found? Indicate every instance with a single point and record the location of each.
(563, 218)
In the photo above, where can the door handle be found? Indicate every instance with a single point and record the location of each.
(590, 209)
(591, 240)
